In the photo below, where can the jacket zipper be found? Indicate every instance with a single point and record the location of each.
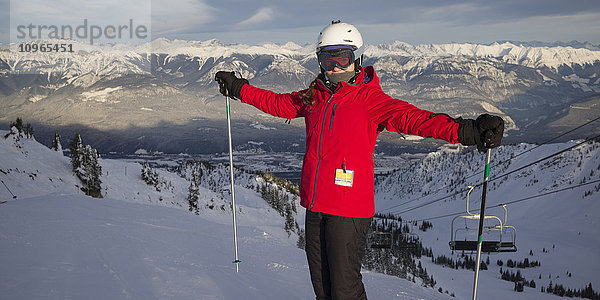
(332, 115)
(320, 140)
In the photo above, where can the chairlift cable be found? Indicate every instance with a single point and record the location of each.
(495, 178)
(545, 158)
(526, 151)
(512, 201)
(544, 143)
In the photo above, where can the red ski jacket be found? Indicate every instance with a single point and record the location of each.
(341, 131)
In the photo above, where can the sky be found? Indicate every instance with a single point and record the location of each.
(262, 21)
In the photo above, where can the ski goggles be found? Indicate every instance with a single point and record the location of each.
(341, 58)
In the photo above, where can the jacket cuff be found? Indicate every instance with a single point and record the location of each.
(466, 131)
(236, 87)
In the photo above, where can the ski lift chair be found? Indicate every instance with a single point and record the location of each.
(410, 244)
(379, 240)
(412, 239)
(507, 245)
(501, 244)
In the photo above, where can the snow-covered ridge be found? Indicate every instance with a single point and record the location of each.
(215, 49)
(514, 53)
(552, 57)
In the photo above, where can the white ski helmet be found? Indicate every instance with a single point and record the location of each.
(338, 33)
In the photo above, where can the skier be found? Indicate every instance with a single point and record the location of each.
(344, 110)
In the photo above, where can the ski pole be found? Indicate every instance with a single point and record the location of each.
(486, 177)
(14, 197)
(235, 241)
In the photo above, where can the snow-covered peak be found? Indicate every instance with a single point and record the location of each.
(216, 49)
(127, 58)
(551, 57)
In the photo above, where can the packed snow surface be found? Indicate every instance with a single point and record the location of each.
(139, 243)
(57, 243)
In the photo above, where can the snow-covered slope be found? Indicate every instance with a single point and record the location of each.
(57, 243)
(139, 243)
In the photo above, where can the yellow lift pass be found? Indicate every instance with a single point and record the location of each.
(344, 177)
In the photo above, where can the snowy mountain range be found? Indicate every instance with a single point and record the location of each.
(140, 241)
(162, 95)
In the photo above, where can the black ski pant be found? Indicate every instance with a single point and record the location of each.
(335, 247)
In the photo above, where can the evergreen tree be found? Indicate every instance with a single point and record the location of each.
(93, 172)
(85, 165)
(301, 239)
(28, 130)
(18, 124)
(76, 147)
(56, 145)
(518, 286)
(192, 198)
(294, 199)
(152, 178)
(510, 263)
(289, 219)
(96, 173)
(148, 174)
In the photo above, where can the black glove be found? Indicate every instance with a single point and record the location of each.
(485, 132)
(229, 85)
